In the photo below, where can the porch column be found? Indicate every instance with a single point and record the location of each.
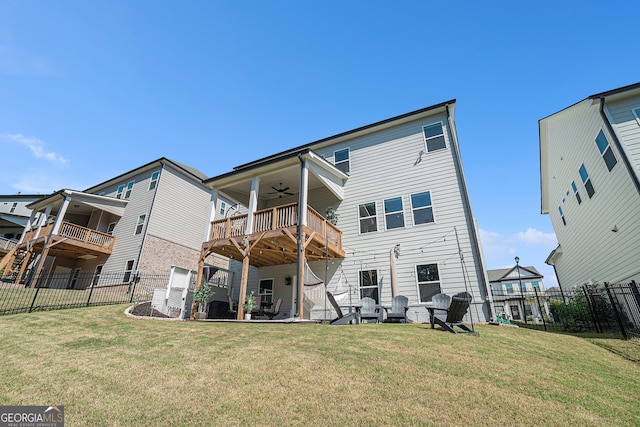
(61, 214)
(27, 227)
(243, 286)
(302, 221)
(42, 221)
(253, 203)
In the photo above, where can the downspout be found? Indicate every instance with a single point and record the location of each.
(467, 210)
(623, 154)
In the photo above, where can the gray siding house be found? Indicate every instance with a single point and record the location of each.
(590, 187)
(340, 211)
(14, 215)
(143, 221)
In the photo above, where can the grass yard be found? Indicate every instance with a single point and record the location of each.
(107, 369)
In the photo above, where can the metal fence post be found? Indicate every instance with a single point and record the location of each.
(544, 322)
(594, 317)
(90, 292)
(615, 311)
(133, 291)
(34, 298)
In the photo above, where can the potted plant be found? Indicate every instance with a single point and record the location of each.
(202, 296)
(249, 304)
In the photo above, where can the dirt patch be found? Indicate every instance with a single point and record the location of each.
(144, 309)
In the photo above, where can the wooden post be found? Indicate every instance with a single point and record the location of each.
(194, 305)
(243, 286)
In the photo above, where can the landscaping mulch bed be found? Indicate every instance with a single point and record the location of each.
(144, 310)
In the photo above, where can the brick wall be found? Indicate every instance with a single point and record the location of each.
(159, 255)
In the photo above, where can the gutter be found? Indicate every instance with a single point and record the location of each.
(614, 135)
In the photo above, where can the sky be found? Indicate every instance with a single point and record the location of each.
(92, 89)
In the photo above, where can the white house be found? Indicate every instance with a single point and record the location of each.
(343, 209)
(514, 292)
(590, 187)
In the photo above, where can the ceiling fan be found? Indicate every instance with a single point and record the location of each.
(280, 191)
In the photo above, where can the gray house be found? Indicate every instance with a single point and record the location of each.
(145, 220)
(352, 212)
(590, 187)
(14, 215)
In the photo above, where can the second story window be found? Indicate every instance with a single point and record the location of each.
(434, 137)
(140, 224)
(223, 207)
(605, 149)
(127, 193)
(564, 221)
(120, 191)
(636, 112)
(13, 207)
(368, 220)
(341, 160)
(422, 208)
(587, 181)
(394, 213)
(111, 227)
(509, 288)
(575, 191)
(154, 180)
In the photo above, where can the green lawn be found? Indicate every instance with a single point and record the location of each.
(108, 369)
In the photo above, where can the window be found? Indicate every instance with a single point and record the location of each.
(265, 290)
(140, 224)
(341, 160)
(96, 275)
(535, 285)
(368, 220)
(369, 284)
(515, 312)
(223, 207)
(523, 287)
(575, 191)
(586, 181)
(509, 287)
(120, 191)
(127, 271)
(636, 112)
(428, 281)
(564, 221)
(13, 207)
(422, 209)
(154, 180)
(605, 149)
(434, 137)
(129, 188)
(111, 227)
(393, 213)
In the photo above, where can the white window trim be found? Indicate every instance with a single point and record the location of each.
(384, 213)
(377, 285)
(144, 222)
(273, 285)
(433, 211)
(128, 191)
(114, 228)
(636, 112)
(424, 137)
(120, 191)
(415, 272)
(375, 202)
(151, 181)
(343, 161)
(222, 208)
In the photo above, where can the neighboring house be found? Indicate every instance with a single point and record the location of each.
(143, 221)
(395, 182)
(14, 215)
(590, 187)
(514, 291)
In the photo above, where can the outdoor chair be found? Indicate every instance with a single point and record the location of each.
(369, 310)
(341, 319)
(272, 312)
(398, 309)
(233, 310)
(257, 308)
(448, 311)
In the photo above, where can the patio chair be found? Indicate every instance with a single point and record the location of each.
(233, 310)
(341, 319)
(272, 312)
(398, 309)
(257, 308)
(448, 311)
(369, 310)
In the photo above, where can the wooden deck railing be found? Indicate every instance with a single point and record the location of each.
(274, 219)
(7, 244)
(76, 232)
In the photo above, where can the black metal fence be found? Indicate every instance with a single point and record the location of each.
(610, 308)
(77, 289)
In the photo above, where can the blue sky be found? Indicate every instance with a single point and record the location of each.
(89, 90)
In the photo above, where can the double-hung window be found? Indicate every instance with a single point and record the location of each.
(368, 219)
(636, 112)
(605, 149)
(393, 213)
(575, 191)
(587, 181)
(564, 221)
(341, 160)
(369, 284)
(111, 227)
(422, 208)
(434, 137)
(509, 287)
(428, 281)
(13, 207)
(265, 290)
(120, 191)
(223, 207)
(127, 193)
(154, 180)
(140, 224)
